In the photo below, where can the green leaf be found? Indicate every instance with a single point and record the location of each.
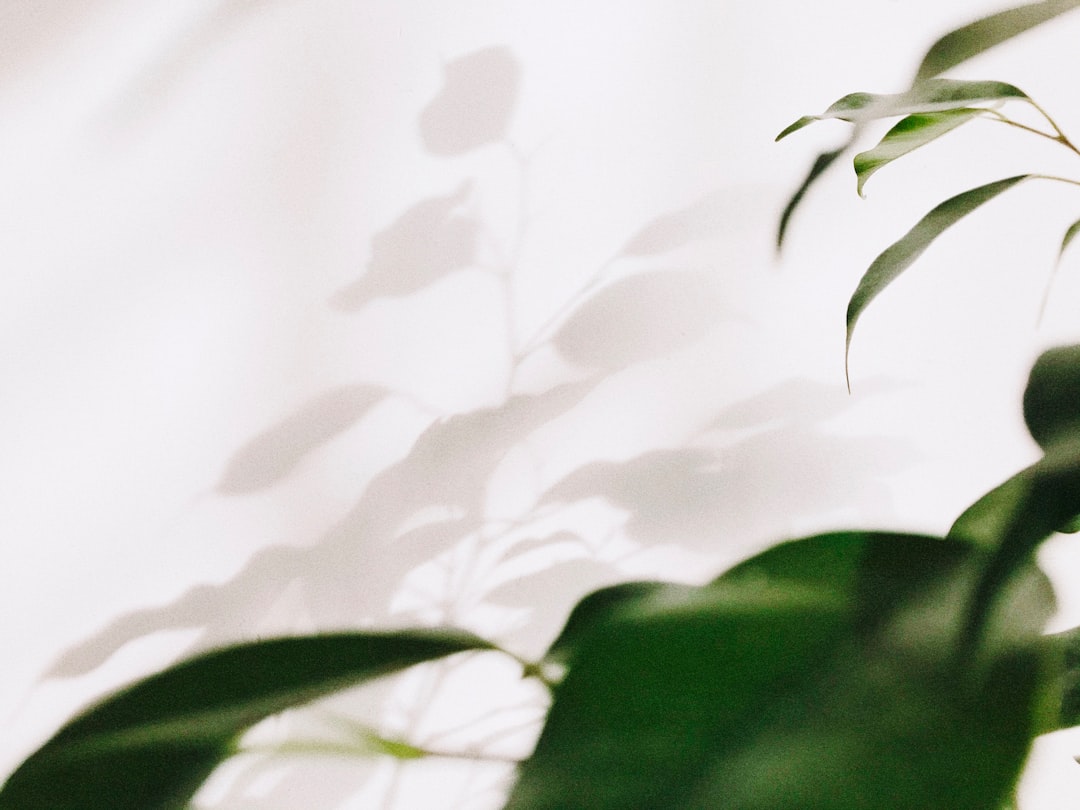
(933, 95)
(901, 254)
(1014, 518)
(1067, 645)
(908, 135)
(1052, 397)
(972, 39)
(600, 607)
(820, 674)
(1070, 234)
(150, 746)
(821, 163)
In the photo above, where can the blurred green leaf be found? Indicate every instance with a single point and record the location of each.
(972, 39)
(1067, 645)
(820, 674)
(150, 746)
(600, 607)
(933, 95)
(908, 135)
(1014, 518)
(901, 254)
(1052, 397)
(821, 164)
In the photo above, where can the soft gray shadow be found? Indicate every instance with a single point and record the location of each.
(271, 456)
(640, 317)
(428, 241)
(474, 105)
(350, 574)
(719, 494)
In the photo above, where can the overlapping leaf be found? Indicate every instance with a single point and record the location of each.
(908, 135)
(933, 95)
(152, 745)
(819, 674)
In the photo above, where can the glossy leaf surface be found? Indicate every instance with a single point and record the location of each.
(152, 745)
(908, 135)
(901, 254)
(820, 674)
(972, 39)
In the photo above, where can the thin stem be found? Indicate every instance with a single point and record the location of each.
(329, 748)
(1061, 136)
(1055, 178)
(1058, 136)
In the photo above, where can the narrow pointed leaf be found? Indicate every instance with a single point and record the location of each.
(901, 254)
(821, 164)
(933, 95)
(908, 135)
(150, 746)
(1070, 234)
(972, 39)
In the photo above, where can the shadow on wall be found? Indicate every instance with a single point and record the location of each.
(762, 464)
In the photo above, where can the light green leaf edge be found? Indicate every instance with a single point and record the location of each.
(933, 95)
(970, 40)
(150, 746)
(901, 254)
(908, 135)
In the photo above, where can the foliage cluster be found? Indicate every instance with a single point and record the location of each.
(846, 670)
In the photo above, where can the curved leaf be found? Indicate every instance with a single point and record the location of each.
(821, 163)
(150, 746)
(972, 39)
(901, 254)
(933, 95)
(818, 674)
(908, 135)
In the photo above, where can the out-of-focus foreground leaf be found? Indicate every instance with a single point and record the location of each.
(908, 135)
(901, 254)
(972, 39)
(152, 745)
(1014, 518)
(820, 674)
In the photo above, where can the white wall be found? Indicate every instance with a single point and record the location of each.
(505, 271)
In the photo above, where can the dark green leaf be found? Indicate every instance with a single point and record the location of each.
(1067, 646)
(600, 607)
(972, 39)
(933, 95)
(908, 135)
(152, 745)
(820, 674)
(1052, 396)
(901, 254)
(821, 163)
(1014, 518)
